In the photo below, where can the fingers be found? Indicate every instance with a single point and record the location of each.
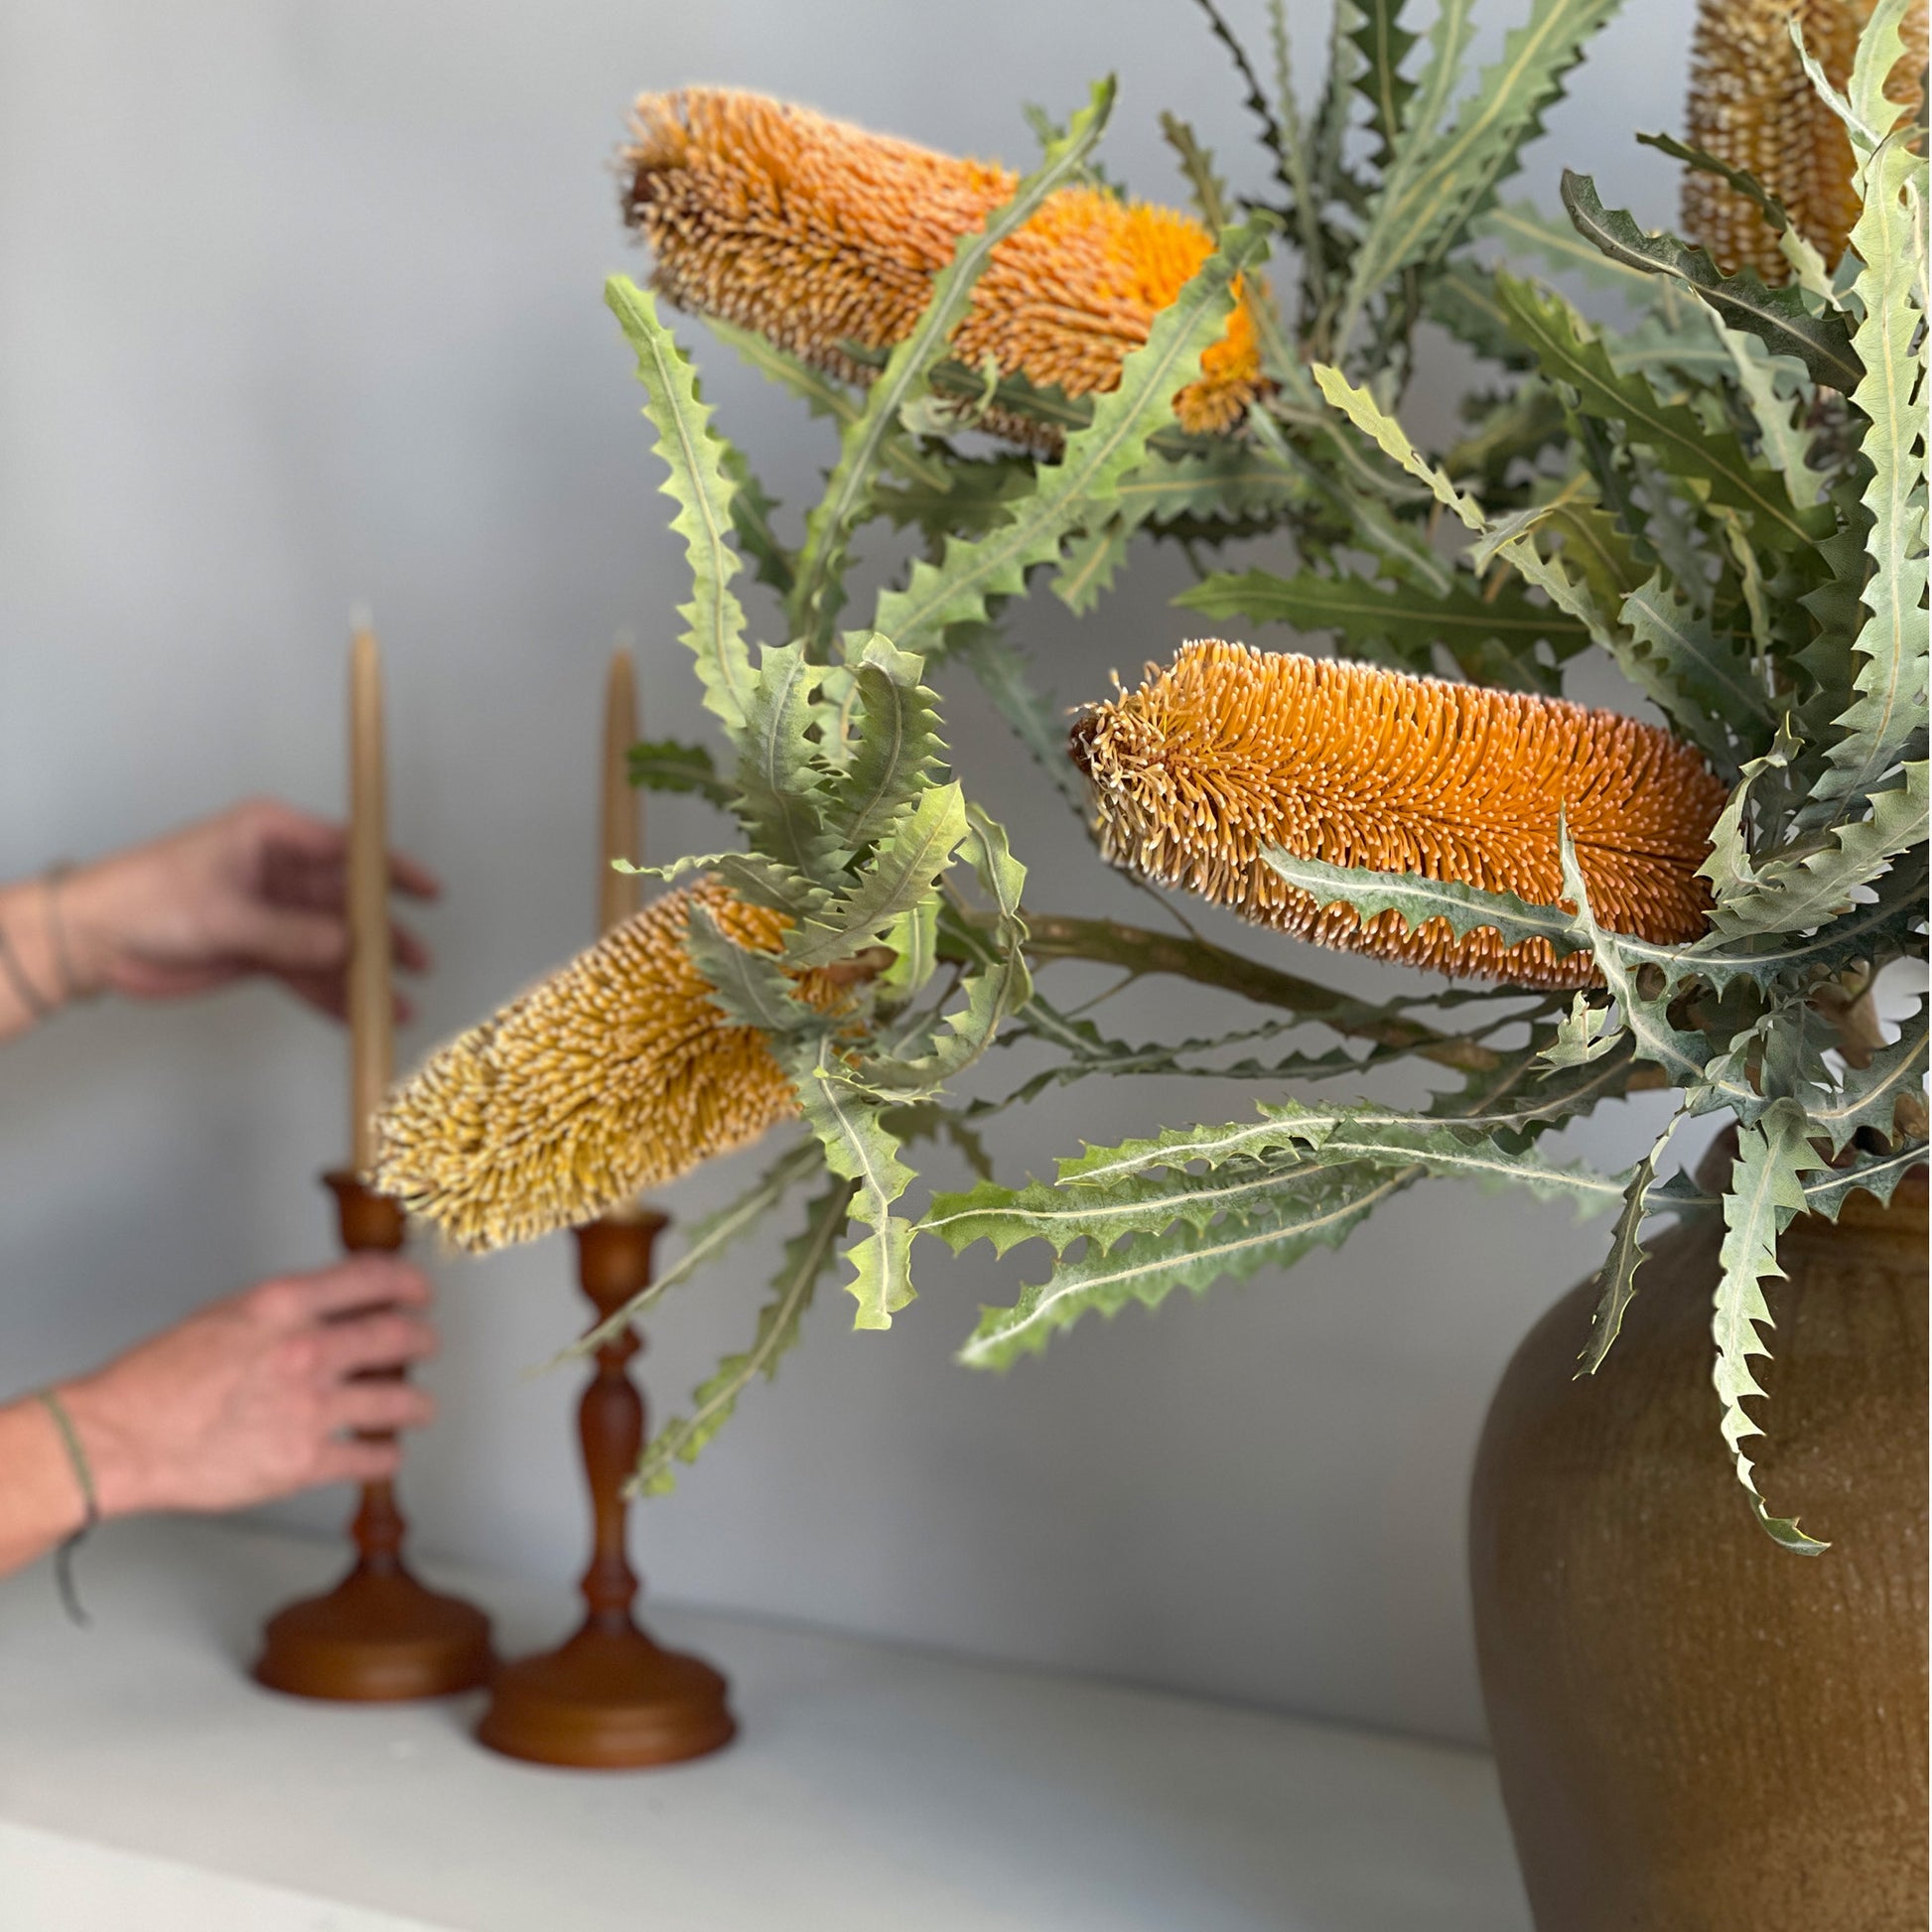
(290, 938)
(364, 1281)
(380, 1405)
(387, 1340)
(328, 994)
(409, 951)
(266, 822)
(350, 1460)
(410, 876)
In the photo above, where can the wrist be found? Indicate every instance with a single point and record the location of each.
(76, 910)
(30, 984)
(123, 1476)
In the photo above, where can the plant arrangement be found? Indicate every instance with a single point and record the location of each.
(1726, 496)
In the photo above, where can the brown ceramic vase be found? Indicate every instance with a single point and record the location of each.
(1696, 1729)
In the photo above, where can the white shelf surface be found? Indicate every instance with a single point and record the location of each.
(146, 1785)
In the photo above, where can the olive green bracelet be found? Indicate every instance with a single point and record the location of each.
(84, 1474)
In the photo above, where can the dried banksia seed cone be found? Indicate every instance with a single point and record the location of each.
(613, 1075)
(1754, 108)
(814, 232)
(1231, 750)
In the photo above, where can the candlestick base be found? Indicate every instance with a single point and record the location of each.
(379, 1636)
(376, 1638)
(607, 1701)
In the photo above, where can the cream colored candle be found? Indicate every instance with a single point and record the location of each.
(621, 821)
(371, 1027)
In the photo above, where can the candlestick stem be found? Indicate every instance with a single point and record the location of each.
(379, 1636)
(609, 1698)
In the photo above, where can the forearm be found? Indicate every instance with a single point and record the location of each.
(41, 1500)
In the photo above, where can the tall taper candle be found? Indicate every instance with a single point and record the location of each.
(372, 1032)
(620, 820)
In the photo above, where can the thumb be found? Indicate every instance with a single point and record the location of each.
(293, 940)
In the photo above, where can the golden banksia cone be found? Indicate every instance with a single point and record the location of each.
(1231, 750)
(613, 1075)
(814, 232)
(1754, 108)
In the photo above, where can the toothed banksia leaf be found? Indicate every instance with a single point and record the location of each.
(1753, 108)
(615, 1073)
(1232, 752)
(815, 235)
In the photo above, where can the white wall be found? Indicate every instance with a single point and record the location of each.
(298, 305)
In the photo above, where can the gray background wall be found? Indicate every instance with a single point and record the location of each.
(298, 305)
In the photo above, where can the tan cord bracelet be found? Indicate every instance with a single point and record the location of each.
(84, 1474)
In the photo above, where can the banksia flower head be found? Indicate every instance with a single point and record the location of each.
(1754, 108)
(613, 1075)
(814, 232)
(1231, 750)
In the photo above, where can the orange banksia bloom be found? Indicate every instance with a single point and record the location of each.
(1754, 108)
(814, 232)
(1231, 750)
(613, 1075)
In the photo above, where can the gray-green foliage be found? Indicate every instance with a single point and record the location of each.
(1725, 494)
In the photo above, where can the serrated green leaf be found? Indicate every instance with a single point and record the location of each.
(1580, 1037)
(1463, 619)
(704, 493)
(1209, 193)
(1034, 717)
(1808, 265)
(1877, 1174)
(1765, 1193)
(666, 765)
(1568, 350)
(1779, 318)
(1321, 1210)
(818, 592)
(1702, 682)
(748, 986)
(1090, 565)
(1384, 45)
(1073, 492)
(1617, 1277)
(1887, 239)
(778, 800)
(901, 871)
(1654, 1036)
(1522, 228)
(1870, 1095)
(716, 1232)
(1438, 183)
(1795, 890)
(861, 1148)
(1874, 933)
(897, 747)
(1417, 900)
(806, 1256)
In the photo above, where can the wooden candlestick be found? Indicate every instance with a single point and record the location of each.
(609, 1699)
(379, 1636)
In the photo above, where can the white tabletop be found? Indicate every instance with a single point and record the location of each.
(146, 1785)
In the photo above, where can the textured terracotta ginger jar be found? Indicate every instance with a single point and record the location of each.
(1697, 1731)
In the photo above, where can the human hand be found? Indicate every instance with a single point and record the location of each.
(258, 889)
(257, 1396)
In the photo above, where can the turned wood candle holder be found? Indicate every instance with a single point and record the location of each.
(379, 1636)
(609, 1698)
